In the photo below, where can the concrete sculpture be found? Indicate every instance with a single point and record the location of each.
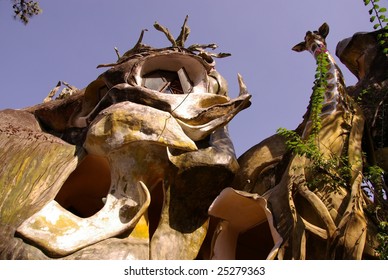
(313, 199)
(126, 168)
(139, 164)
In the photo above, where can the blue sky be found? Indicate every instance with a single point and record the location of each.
(71, 37)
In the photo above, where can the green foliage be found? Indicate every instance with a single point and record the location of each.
(362, 94)
(382, 238)
(374, 174)
(378, 210)
(377, 16)
(24, 10)
(318, 96)
(308, 147)
(299, 146)
(294, 142)
(330, 171)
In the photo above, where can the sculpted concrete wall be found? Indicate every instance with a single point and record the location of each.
(139, 165)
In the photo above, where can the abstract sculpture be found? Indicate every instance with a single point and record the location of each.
(139, 164)
(125, 169)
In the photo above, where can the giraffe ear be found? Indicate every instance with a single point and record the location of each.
(300, 47)
(324, 30)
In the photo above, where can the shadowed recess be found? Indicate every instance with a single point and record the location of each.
(84, 191)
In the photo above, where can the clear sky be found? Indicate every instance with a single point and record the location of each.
(71, 37)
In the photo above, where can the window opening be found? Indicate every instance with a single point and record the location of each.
(168, 81)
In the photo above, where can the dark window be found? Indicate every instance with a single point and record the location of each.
(168, 81)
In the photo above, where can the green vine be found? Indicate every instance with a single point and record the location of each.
(374, 174)
(382, 238)
(377, 16)
(333, 171)
(330, 172)
(319, 89)
(294, 141)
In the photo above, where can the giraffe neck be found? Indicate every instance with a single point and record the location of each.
(334, 98)
(335, 89)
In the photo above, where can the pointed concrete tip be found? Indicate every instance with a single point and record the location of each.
(243, 87)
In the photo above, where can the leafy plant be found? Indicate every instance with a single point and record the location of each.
(382, 238)
(377, 16)
(319, 89)
(294, 142)
(374, 174)
(333, 171)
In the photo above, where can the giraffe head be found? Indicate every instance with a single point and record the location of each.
(314, 42)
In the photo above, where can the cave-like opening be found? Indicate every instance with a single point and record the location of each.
(84, 191)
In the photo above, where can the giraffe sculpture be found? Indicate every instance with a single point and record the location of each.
(309, 214)
(335, 98)
(339, 138)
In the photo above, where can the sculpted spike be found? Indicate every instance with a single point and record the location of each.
(136, 48)
(201, 47)
(52, 93)
(117, 53)
(139, 41)
(243, 87)
(185, 31)
(166, 32)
